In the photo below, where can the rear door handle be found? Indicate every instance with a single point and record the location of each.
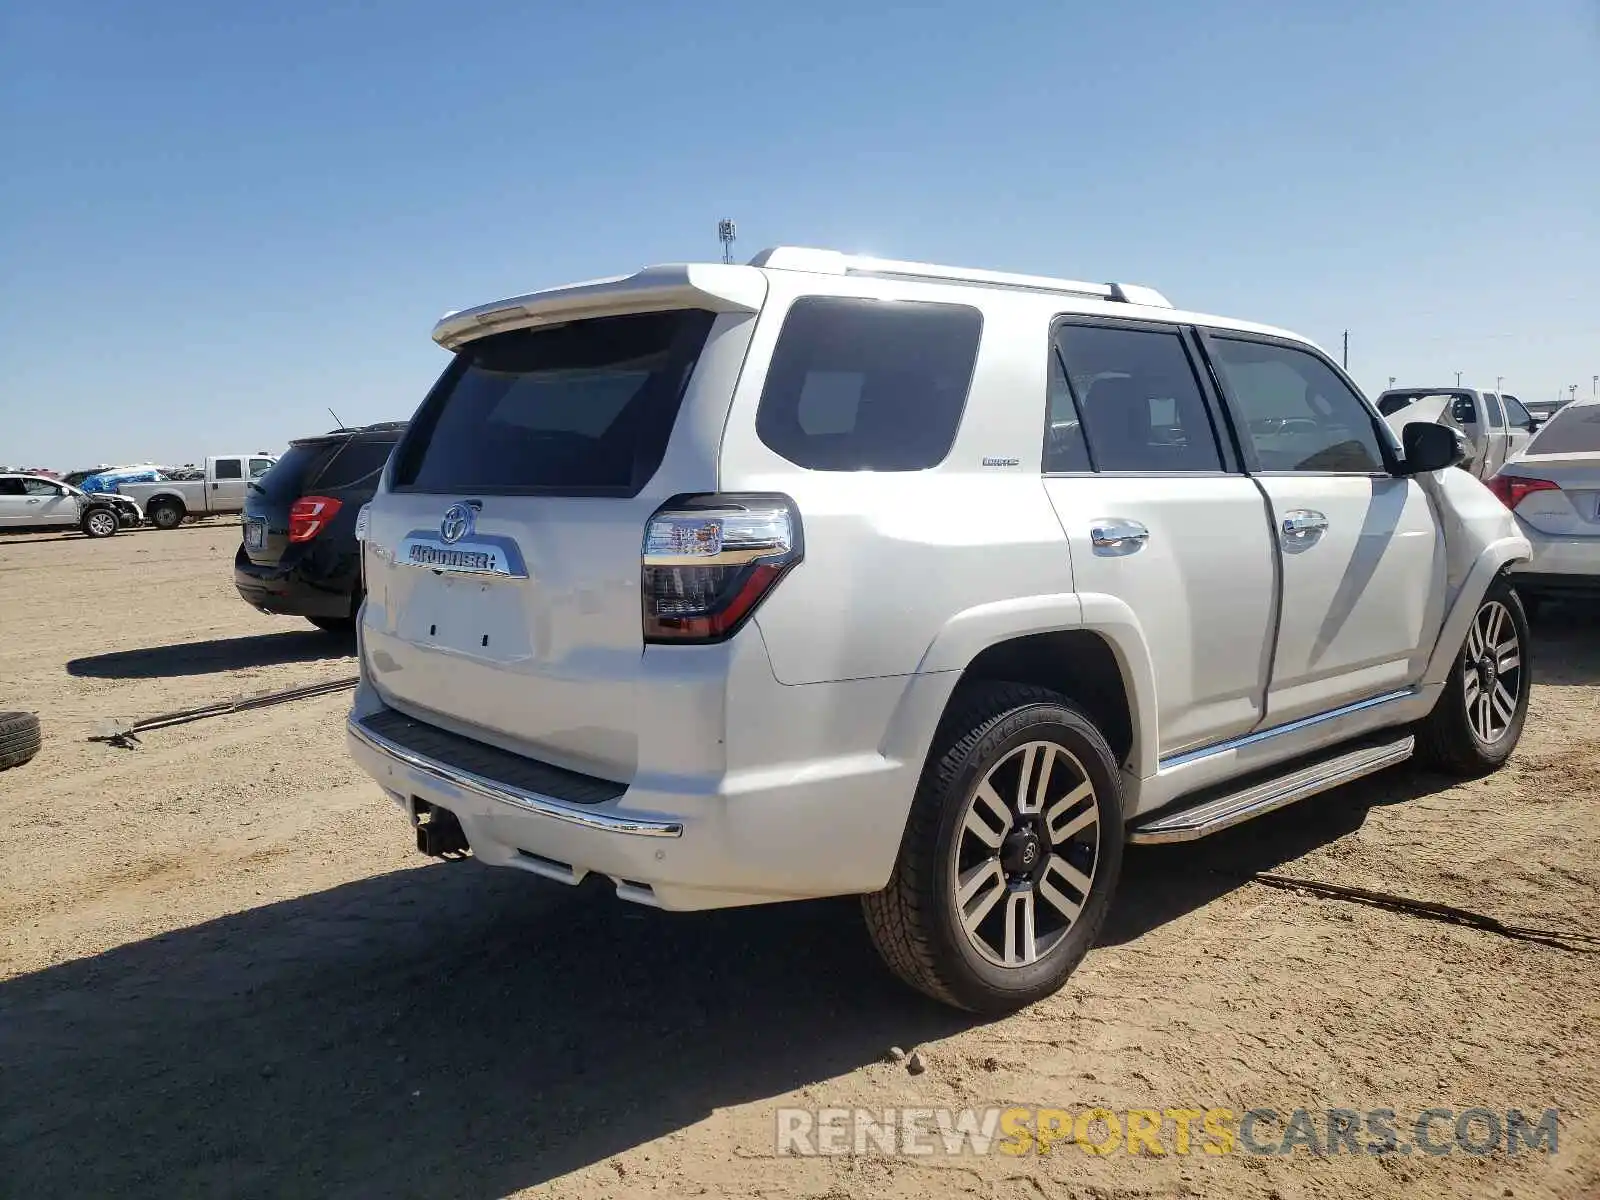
(1303, 522)
(1115, 533)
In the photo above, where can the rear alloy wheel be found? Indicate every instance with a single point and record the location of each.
(165, 515)
(1478, 719)
(99, 523)
(1010, 855)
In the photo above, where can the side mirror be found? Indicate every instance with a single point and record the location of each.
(1430, 447)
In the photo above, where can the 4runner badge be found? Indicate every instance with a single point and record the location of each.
(458, 521)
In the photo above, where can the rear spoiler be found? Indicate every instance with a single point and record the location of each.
(712, 286)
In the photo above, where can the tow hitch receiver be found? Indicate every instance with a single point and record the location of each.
(439, 834)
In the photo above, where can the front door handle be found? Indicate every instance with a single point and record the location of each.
(1303, 522)
(1114, 533)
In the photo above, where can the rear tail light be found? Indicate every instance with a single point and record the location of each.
(1513, 489)
(710, 560)
(309, 515)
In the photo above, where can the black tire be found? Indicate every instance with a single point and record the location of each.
(165, 514)
(1450, 739)
(1531, 604)
(100, 522)
(340, 625)
(913, 922)
(19, 738)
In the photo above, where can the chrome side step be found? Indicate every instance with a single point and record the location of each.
(1203, 817)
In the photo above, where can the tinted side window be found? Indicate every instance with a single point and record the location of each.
(230, 468)
(1064, 446)
(868, 384)
(1496, 416)
(1138, 399)
(1389, 405)
(259, 467)
(1297, 412)
(40, 487)
(11, 487)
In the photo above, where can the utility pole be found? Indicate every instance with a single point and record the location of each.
(1391, 381)
(1594, 387)
(1498, 379)
(1572, 393)
(1458, 378)
(1345, 362)
(726, 232)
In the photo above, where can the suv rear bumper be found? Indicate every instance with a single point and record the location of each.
(297, 589)
(821, 827)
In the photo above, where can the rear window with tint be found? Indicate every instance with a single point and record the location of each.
(1573, 430)
(287, 479)
(583, 408)
(358, 464)
(868, 384)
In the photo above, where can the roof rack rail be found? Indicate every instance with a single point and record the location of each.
(833, 262)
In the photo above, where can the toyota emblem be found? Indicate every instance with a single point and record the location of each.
(457, 523)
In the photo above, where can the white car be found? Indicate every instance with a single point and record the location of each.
(830, 575)
(38, 502)
(1497, 427)
(1553, 490)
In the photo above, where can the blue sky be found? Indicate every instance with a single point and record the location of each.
(219, 219)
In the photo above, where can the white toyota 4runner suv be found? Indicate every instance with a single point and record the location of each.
(828, 575)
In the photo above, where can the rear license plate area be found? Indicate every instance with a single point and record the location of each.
(255, 535)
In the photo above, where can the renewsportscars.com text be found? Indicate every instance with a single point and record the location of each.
(1020, 1131)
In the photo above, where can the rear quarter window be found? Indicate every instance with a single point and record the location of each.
(868, 385)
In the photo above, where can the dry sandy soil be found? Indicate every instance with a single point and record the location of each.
(224, 971)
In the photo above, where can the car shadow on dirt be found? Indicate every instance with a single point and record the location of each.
(1161, 883)
(1566, 644)
(446, 1030)
(219, 654)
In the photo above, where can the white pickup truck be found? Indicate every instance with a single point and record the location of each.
(1497, 427)
(167, 502)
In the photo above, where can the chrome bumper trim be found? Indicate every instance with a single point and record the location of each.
(544, 806)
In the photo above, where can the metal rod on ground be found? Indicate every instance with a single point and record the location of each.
(127, 735)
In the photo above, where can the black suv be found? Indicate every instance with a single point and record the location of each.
(299, 555)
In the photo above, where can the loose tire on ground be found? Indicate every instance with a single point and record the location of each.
(165, 514)
(19, 738)
(100, 523)
(1478, 719)
(947, 924)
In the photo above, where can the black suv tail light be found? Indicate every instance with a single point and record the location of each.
(710, 560)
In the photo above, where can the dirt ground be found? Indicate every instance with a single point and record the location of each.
(225, 971)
